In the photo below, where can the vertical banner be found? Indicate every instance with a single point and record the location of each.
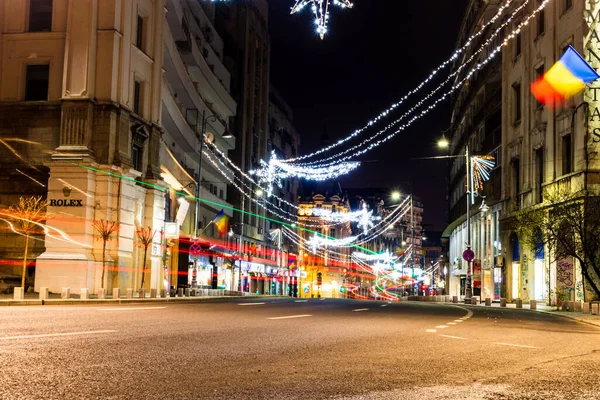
(477, 274)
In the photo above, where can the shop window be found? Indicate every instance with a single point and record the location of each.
(36, 82)
(40, 15)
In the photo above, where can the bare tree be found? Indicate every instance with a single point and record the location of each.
(28, 213)
(145, 236)
(567, 224)
(105, 230)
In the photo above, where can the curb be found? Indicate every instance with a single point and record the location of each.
(62, 302)
(572, 318)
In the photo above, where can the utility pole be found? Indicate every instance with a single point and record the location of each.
(412, 240)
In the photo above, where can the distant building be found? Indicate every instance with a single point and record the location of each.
(332, 264)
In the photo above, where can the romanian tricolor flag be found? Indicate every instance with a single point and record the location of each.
(564, 80)
(221, 220)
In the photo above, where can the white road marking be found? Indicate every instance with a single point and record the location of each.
(384, 305)
(321, 299)
(441, 326)
(453, 337)
(431, 330)
(250, 304)
(361, 309)
(458, 320)
(130, 308)
(517, 345)
(56, 334)
(300, 301)
(450, 323)
(292, 316)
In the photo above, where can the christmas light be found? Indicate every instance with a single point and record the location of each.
(320, 9)
(359, 150)
(433, 74)
(480, 171)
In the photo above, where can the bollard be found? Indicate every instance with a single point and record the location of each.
(43, 293)
(571, 306)
(586, 308)
(488, 302)
(116, 293)
(65, 293)
(519, 303)
(142, 293)
(578, 306)
(152, 293)
(467, 301)
(85, 294)
(474, 300)
(101, 293)
(439, 298)
(130, 293)
(19, 293)
(595, 308)
(454, 299)
(532, 305)
(163, 293)
(564, 306)
(502, 302)
(187, 292)
(180, 292)
(477, 300)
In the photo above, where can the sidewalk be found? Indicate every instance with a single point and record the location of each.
(577, 316)
(32, 299)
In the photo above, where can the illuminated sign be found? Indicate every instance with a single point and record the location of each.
(591, 46)
(66, 203)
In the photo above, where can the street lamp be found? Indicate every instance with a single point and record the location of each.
(443, 143)
(396, 196)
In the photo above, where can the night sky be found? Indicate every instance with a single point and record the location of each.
(372, 55)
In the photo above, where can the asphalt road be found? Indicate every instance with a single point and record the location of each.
(286, 349)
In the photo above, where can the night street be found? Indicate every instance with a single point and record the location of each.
(295, 349)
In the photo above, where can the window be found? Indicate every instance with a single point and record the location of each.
(40, 15)
(541, 23)
(516, 182)
(139, 33)
(221, 194)
(539, 171)
(539, 72)
(568, 4)
(332, 232)
(136, 157)
(567, 154)
(518, 45)
(137, 97)
(36, 82)
(517, 102)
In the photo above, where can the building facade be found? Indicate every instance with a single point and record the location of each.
(324, 270)
(476, 127)
(547, 150)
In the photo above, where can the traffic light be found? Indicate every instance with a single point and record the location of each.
(342, 289)
(319, 278)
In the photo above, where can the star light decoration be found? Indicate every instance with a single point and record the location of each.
(480, 172)
(366, 219)
(320, 9)
(275, 171)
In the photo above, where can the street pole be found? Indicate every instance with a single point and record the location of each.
(241, 245)
(468, 283)
(412, 228)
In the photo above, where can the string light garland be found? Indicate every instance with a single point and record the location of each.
(433, 74)
(357, 149)
(320, 9)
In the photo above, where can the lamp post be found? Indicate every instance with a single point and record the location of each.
(200, 136)
(443, 143)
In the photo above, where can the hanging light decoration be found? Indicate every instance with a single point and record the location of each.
(320, 9)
